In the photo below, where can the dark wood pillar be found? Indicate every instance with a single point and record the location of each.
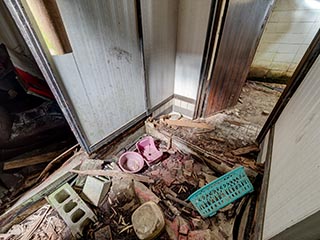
(241, 31)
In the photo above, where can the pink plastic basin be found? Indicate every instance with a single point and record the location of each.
(148, 150)
(131, 162)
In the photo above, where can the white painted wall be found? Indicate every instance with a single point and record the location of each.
(159, 24)
(294, 186)
(288, 33)
(192, 28)
(103, 75)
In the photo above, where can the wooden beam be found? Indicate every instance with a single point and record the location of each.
(29, 161)
(114, 173)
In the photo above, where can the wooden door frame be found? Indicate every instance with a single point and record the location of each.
(209, 61)
(35, 44)
(218, 8)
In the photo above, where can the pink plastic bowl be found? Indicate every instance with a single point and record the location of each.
(131, 162)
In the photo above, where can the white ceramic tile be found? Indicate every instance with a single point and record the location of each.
(292, 38)
(280, 66)
(294, 16)
(288, 48)
(261, 63)
(177, 102)
(295, 5)
(184, 104)
(284, 57)
(297, 58)
(190, 106)
(270, 37)
(315, 27)
(308, 38)
(268, 47)
(265, 56)
(292, 67)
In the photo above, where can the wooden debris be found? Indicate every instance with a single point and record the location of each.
(245, 150)
(187, 123)
(217, 163)
(177, 200)
(28, 234)
(45, 223)
(29, 161)
(59, 177)
(112, 173)
(63, 156)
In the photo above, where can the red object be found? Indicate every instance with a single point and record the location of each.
(34, 85)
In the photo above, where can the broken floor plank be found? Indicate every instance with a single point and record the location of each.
(245, 150)
(112, 173)
(29, 161)
(57, 160)
(188, 123)
(59, 177)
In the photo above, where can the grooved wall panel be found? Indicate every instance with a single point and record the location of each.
(159, 24)
(294, 185)
(192, 31)
(105, 43)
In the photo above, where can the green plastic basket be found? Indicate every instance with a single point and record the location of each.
(221, 192)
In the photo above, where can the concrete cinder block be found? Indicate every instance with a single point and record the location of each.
(96, 189)
(71, 208)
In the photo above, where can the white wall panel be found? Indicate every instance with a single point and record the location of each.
(110, 89)
(294, 187)
(287, 35)
(159, 23)
(192, 28)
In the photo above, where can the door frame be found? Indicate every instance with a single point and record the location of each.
(216, 28)
(215, 23)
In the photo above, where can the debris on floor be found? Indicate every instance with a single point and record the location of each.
(43, 224)
(144, 192)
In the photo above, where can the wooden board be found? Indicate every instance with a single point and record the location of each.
(242, 29)
(23, 162)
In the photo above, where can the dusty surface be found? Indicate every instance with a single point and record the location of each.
(257, 101)
(178, 175)
(235, 127)
(43, 224)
